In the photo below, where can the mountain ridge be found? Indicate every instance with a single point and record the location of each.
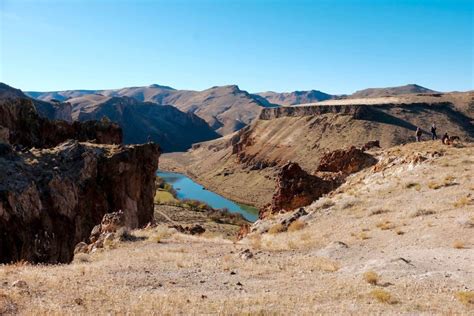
(141, 121)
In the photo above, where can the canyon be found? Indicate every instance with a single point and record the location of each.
(243, 166)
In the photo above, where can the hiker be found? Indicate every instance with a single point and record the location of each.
(433, 132)
(418, 134)
(445, 138)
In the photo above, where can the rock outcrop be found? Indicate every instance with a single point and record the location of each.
(112, 227)
(50, 199)
(346, 161)
(20, 124)
(297, 188)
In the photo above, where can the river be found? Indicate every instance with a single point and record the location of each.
(186, 188)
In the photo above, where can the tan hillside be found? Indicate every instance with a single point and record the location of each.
(295, 97)
(242, 167)
(226, 108)
(142, 121)
(398, 240)
(390, 91)
(462, 101)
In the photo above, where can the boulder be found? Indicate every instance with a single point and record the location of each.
(371, 144)
(50, 199)
(296, 188)
(346, 161)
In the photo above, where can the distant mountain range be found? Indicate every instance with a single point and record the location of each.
(295, 97)
(391, 91)
(141, 121)
(225, 108)
(173, 117)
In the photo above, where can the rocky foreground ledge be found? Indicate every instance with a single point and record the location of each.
(50, 199)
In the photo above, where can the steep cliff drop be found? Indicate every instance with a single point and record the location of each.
(53, 191)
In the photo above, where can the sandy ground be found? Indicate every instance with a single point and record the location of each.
(411, 224)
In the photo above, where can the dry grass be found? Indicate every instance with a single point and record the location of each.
(448, 181)
(459, 244)
(466, 297)
(276, 229)
(379, 211)
(382, 296)
(327, 203)
(433, 185)
(371, 277)
(386, 225)
(413, 185)
(256, 241)
(464, 201)
(325, 264)
(296, 225)
(422, 212)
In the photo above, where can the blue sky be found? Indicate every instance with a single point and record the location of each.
(333, 46)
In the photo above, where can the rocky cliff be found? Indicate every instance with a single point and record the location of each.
(50, 199)
(296, 188)
(21, 125)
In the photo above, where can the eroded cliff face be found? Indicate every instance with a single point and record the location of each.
(296, 188)
(20, 124)
(50, 199)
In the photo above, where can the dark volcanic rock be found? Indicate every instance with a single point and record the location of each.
(50, 199)
(21, 124)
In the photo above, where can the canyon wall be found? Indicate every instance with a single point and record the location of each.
(55, 187)
(50, 199)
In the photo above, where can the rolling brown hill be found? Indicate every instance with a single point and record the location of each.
(391, 91)
(243, 166)
(226, 108)
(295, 97)
(141, 121)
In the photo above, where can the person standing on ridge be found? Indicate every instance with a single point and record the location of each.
(433, 132)
(418, 134)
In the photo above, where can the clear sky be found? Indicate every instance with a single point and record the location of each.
(333, 46)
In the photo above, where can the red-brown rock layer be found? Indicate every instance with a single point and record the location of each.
(296, 188)
(346, 161)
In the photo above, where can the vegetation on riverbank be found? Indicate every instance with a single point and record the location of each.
(167, 195)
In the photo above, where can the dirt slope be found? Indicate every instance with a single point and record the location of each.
(410, 225)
